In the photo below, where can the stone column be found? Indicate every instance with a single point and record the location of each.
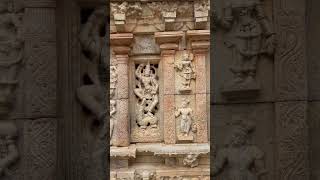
(120, 44)
(199, 41)
(169, 43)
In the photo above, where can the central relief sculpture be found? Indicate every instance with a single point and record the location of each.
(147, 88)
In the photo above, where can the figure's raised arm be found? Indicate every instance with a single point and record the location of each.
(138, 71)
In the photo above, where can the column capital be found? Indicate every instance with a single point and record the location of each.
(121, 43)
(169, 40)
(199, 40)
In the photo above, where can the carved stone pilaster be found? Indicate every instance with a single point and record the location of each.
(169, 43)
(120, 44)
(293, 140)
(199, 43)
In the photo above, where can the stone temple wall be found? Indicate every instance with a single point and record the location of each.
(159, 95)
(198, 90)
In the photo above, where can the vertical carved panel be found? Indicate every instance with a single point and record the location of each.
(40, 82)
(40, 149)
(290, 58)
(293, 147)
(40, 65)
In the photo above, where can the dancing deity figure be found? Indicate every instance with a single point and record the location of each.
(252, 36)
(113, 110)
(187, 71)
(244, 161)
(186, 117)
(147, 93)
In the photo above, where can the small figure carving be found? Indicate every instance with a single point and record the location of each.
(187, 71)
(191, 160)
(251, 37)
(186, 117)
(113, 110)
(245, 161)
(113, 80)
(147, 94)
(145, 175)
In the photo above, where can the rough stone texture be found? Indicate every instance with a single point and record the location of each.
(121, 127)
(169, 124)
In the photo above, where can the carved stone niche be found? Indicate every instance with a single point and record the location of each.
(145, 99)
(248, 40)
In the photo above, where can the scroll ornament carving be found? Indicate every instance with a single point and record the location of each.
(147, 92)
(245, 161)
(11, 55)
(251, 37)
(186, 71)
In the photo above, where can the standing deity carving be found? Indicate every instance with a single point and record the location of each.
(187, 72)
(244, 160)
(186, 114)
(147, 92)
(251, 37)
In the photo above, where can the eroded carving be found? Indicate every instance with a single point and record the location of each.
(251, 37)
(146, 91)
(145, 175)
(186, 114)
(120, 12)
(191, 160)
(201, 13)
(244, 160)
(11, 54)
(167, 11)
(186, 71)
(8, 150)
(93, 45)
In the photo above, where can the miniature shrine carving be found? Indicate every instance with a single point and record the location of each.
(251, 37)
(147, 94)
(186, 71)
